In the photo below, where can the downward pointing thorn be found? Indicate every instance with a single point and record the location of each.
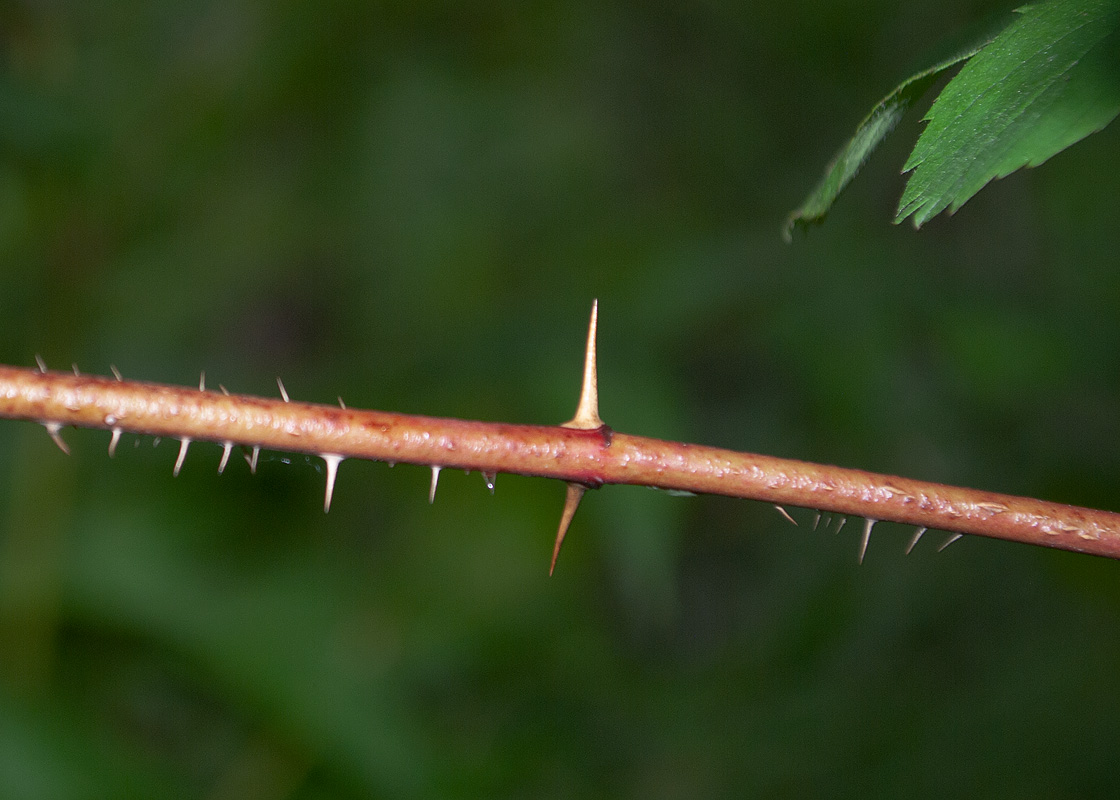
(868, 524)
(949, 541)
(917, 535)
(114, 442)
(435, 482)
(253, 460)
(587, 413)
(227, 448)
(785, 514)
(183, 445)
(54, 429)
(571, 503)
(489, 478)
(332, 463)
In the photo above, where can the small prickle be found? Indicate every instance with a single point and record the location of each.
(184, 444)
(917, 535)
(252, 460)
(785, 514)
(227, 448)
(949, 541)
(868, 524)
(332, 463)
(54, 431)
(435, 483)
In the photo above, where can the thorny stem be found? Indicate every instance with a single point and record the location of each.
(585, 457)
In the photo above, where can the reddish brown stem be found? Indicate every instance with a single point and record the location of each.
(590, 458)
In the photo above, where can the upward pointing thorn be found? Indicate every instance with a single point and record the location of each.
(54, 429)
(116, 372)
(571, 503)
(42, 364)
(202, 381)
(283, 391)
(332, 463)
(77, 374)
(587, 414)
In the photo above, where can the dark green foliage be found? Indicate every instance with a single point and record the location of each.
(1047, 80)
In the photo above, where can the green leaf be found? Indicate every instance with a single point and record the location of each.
(1049, 79)
(875, 127)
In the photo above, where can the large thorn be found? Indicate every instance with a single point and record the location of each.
(332, 463)
(587, 414)
(571, 503)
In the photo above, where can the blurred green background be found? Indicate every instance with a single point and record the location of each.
(412, 205)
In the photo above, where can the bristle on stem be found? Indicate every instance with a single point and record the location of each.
(435, 483)
(914, 541)
(332, 463)
(184, 445)
(868, 524)
(54, 430)
(227, 448)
